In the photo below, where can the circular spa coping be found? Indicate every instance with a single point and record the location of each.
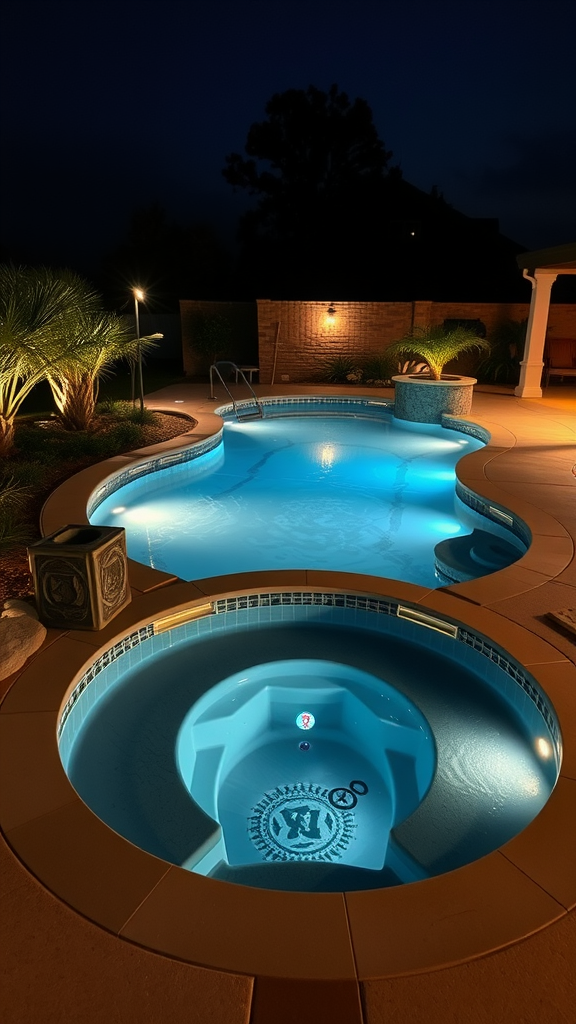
(305, 937)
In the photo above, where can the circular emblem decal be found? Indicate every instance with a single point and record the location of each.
(299, 822)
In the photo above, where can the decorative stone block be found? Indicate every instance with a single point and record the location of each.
(80, 576)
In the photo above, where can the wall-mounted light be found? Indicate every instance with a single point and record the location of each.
(330, 313)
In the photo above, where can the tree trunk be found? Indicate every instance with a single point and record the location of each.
(77, 410)
(6, 436)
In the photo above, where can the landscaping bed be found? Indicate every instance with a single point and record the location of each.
(44, 456)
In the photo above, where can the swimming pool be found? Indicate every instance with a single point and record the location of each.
(343, 487)
(196, 755)
(425, 745)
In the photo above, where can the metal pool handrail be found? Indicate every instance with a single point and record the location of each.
(237, 370)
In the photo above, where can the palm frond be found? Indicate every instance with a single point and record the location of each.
(436, 346)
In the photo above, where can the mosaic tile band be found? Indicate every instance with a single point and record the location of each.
(330, 600)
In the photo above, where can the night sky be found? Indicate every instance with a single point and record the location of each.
(110, 106)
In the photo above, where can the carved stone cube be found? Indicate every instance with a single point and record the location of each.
(80, 576)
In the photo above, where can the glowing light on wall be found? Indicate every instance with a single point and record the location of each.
(305, 720)
(331, 315)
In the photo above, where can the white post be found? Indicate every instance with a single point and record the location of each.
(532, 363)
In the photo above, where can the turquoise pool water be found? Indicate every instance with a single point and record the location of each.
(421, 752)
(358, 749)
(337, 492)
(310, 741)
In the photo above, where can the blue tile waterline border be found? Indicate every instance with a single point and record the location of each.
(497, 664)
(494, 512)
(367, 408)
(152, 464)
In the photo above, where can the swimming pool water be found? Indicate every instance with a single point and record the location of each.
(340, 493)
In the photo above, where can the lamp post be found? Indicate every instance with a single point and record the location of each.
(138, 297)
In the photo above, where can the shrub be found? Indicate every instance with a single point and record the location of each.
(211, 335)
(29, 474)
(374, 369)
(14, 529)
(502, 363)
(125, 411)
(124, 436)
(341, 369)
(378, 369)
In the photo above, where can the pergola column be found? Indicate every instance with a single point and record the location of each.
(532, 363)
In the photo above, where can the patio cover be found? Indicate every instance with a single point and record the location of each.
(541, 268)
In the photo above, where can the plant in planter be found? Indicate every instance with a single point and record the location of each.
(437, 346)
(425, 397)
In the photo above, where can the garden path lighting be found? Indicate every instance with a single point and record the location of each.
(139, 296)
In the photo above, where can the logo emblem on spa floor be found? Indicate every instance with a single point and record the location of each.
(299, 822)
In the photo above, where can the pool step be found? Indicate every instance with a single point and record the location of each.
(479, 553)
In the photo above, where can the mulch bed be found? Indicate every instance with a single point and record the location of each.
(15, 576)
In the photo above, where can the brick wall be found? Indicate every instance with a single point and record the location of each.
(300, 336)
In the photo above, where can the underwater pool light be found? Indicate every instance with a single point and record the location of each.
(543, 747)
(305, 720)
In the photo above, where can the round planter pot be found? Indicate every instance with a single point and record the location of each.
(422, 400)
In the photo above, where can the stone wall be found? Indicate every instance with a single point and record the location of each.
(296, 338)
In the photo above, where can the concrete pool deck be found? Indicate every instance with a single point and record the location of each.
(62, 967)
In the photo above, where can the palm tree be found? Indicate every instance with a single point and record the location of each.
(34, 304)
(52, 328)
(89, 343)
(436, 346)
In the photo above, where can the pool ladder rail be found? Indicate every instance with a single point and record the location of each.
(226, 366)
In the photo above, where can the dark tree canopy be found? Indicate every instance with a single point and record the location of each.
(316, 166)
(315, 143)
(333, 220)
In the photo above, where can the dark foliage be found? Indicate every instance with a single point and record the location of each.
(332, 219)
(316, 166)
